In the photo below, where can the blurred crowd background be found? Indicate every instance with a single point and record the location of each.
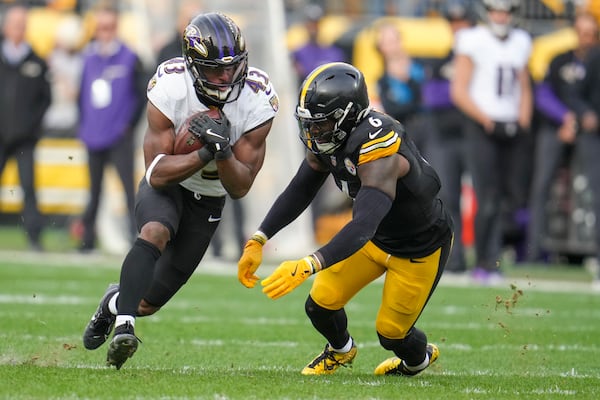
(59, 32)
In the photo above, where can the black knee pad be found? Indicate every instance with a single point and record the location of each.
(313, 310)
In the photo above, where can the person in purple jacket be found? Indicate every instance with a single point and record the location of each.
(557, 134)
(312, 54)
(111, 101)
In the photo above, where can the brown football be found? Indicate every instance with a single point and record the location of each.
(186, 141)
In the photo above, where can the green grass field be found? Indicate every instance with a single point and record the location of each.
(219, 340)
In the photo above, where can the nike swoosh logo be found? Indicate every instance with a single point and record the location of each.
(294, 271)
(415, 261)
(213, 219)
(374, 134)
(210, 132)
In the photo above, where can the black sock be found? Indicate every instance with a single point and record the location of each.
(412, 349)
(136, 275)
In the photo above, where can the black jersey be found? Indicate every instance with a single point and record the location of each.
(556, 92)
(417, 223)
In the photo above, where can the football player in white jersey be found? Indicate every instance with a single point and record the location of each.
(492, 87)
(181, 196)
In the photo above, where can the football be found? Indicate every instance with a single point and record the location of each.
(186, 141)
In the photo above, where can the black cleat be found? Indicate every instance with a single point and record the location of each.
(123, 346)
(97, 330)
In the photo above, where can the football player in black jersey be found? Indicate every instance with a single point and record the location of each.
(399, 228)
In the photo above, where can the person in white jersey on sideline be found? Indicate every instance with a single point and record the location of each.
(492, 87)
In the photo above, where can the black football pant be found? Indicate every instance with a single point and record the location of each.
(499, 171)
(121, 156)
(23, 151)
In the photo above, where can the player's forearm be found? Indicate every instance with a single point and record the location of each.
(171, 169)
(370, 207)
(236, 177)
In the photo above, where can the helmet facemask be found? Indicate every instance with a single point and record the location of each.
(323, 134)
(204, 73)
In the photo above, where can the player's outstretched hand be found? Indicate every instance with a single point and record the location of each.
(249, 262)
(288, 276)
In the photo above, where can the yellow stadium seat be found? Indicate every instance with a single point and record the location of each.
(547, 46)
(41, 28)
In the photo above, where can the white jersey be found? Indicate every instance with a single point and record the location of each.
(494, 85)
(171, 90)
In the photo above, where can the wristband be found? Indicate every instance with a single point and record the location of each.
(205, 155)
(223, 154)
(260, 238)
(314, 263)
(151, 167)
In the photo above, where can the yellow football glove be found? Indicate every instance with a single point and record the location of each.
(289, 275)
(251, 259)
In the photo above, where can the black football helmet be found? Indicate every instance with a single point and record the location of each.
(332, 99)
(215, 54)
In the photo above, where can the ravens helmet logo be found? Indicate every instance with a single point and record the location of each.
(193, 40)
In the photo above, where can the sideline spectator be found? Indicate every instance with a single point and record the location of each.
(447, 152)
(25, 96)
(65, 63)
(558, 129)
(110, 103)
(312, 54)
(587, 106)
(492, 87)
(399, 88)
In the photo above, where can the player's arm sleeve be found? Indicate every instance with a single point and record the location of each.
(370, 207)
(264, 108)
(294, 199)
